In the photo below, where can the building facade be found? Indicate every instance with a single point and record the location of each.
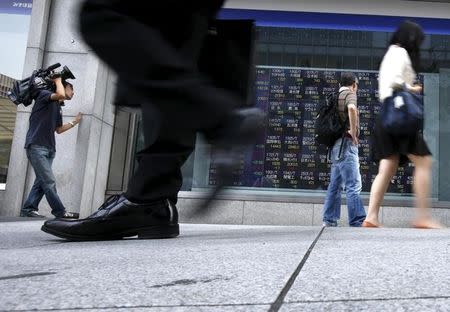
(7, 119)
(301, 49)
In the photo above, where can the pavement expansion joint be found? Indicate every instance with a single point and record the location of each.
(27, 275)
(125, 308)
(279, 301)
(370, 299)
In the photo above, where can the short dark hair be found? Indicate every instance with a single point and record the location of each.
(66, 83)
(347, 79)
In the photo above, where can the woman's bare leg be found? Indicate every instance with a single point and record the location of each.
(421, 187)
(386, 170)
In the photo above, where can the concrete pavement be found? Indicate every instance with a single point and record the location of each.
(228, 268)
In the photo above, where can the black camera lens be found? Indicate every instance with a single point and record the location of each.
(66, 73)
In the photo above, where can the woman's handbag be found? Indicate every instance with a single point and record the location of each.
(402, 113)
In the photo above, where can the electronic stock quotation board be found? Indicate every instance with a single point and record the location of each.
(286, 154)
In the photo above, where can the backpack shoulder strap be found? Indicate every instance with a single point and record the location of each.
(344, 99)
(345, 96)
(345, 120)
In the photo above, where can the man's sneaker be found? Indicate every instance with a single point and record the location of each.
(31, 214)
(118, 218)
(329, 224)
(69, 215)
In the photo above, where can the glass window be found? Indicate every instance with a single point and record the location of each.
(290, 55)
(121, 163)
(276, 54)
(128, 137)
(379, 40)
(14, 24)
(261, 53)
(306, 37)
(286, 159)
(292, 79)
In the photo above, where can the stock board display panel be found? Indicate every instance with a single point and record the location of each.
(286, 155)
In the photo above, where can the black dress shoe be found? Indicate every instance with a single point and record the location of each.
(31, 214)
(118, 218)
(69, 215)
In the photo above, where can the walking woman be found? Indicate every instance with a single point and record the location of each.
(398, 70)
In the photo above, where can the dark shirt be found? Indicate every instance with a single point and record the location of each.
(45, 117)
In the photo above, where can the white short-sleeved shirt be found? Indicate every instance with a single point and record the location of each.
(395, 70)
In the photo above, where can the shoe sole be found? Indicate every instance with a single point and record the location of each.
(153, 232)
(368, 224)
(425, 227)
(36, 217)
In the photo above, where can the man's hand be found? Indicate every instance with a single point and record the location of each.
(69, 125)
(354, 135)
(78, 118)
(59, 94)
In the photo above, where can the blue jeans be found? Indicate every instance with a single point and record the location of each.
(344, 172)
(41, 159)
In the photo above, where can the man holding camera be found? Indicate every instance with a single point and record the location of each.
(45, 120)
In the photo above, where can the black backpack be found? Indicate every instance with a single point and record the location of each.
(20, 92)
(329, 126)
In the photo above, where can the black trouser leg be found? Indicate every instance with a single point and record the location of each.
(159, 68)
(154, 52)
(159, 172)
(157, 56)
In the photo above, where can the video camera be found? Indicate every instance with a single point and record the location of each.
(24, 91)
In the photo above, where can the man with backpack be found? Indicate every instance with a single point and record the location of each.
(344, 158)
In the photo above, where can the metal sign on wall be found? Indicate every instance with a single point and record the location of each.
(16, 7)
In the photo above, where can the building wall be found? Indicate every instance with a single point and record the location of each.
(262, 212)
(5, 84)
(7, 119)
(380, 7)
(299, 210)
(82, 160)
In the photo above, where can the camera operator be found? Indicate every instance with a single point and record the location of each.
(45, 120)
